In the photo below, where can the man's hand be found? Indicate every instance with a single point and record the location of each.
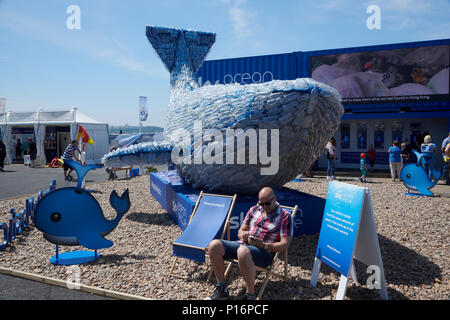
(256, 242)
(243, 234)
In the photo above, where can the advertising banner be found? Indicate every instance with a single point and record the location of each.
(418, 74)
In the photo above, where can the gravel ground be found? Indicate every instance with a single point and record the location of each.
(412, 231)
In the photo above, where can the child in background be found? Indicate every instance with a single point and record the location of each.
(404, 154)
(371, 156)
(363, 168)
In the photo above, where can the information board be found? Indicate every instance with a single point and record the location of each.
(348, 232)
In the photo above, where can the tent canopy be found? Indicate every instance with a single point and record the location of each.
(46, 117)
(41, 119)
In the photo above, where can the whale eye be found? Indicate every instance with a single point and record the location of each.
(408, 176)
(55, 217)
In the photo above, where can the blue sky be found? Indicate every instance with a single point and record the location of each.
(105, 66)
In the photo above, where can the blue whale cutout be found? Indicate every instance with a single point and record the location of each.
(416, 177)
(72, 216)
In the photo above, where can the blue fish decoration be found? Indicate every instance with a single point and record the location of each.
(72, 216)
(416, 177)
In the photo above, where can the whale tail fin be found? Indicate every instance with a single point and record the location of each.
(120, 204)
(178, 47)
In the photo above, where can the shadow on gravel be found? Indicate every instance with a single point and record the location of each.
(402, 266)
(120, 260)
(406, 266)
(160, 219)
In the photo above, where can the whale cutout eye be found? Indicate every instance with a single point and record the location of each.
(55, 217)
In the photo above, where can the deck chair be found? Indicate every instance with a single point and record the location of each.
(209, 220)
(269, 270)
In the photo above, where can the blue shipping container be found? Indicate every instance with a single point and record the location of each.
(249, 70)
(289, 66)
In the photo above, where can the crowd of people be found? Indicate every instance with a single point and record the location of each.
(400, 154)
(20, 150)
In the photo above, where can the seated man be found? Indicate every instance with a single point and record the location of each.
(266, 229)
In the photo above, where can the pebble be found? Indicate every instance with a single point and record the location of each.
(412, 233)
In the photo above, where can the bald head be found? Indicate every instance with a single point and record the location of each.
(266, 192)
(267, 199)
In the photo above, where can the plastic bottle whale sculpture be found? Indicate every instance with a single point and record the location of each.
(294, 117)
(72, 216)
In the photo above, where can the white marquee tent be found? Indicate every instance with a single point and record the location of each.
(41, 120)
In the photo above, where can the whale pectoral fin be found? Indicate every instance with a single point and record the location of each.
(94, 241)
(424, 190)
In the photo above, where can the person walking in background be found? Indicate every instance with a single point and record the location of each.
(404, 154)
(19, 150)
(428, 148)
(69, 154)
(447, 162)
(330, 150)
(443, 146)
(111, 174)
(445, 143)
(408, 151)
(363, 168)
(395, 160)
(32, 151)
(371, 156)
(2, 155)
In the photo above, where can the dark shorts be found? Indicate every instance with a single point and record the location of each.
(66, 167)
(262, 258)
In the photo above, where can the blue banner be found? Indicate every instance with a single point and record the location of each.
(143, 111)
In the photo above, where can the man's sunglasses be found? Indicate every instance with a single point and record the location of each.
(265, 203)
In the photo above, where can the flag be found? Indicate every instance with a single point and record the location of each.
(143, 111)
(82, 133)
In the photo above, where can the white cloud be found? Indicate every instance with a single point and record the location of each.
(243, 20)
(92, 43)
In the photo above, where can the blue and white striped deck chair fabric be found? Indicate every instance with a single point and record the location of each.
(209, 221)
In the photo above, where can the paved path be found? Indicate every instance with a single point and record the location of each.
(19, 180)
(15, 288)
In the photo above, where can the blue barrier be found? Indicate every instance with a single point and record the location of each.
(179, 200)
(21, 220)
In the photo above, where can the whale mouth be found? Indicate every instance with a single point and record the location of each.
(66, 240)
(61, 240)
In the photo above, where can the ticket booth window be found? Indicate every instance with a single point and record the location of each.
(397, 132)
(362, 136)
(378, 137)
(345, 136)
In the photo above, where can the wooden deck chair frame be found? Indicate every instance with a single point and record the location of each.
(269, 270)
(226, 227)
